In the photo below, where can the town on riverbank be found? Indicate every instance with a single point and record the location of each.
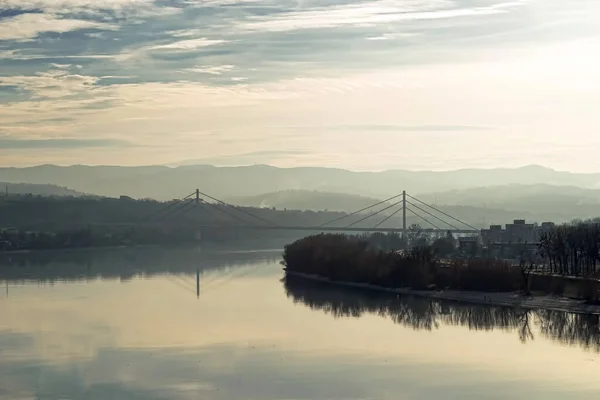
(559, 272)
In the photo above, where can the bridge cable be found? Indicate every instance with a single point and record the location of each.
(361, 210)
(192, 201)
(171, 204)
(185, 211)
(373, 214)
(441, 212)
(184, 281)
(223, 211)
(431, 215)
(219, 209)
(178, 283)
(229, 278)
(424, 219)
(202, 206)
(181, 206)
(388, 217)
(238, 209)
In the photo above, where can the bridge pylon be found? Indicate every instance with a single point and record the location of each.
(404, 213)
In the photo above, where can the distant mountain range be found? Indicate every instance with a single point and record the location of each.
(480, 206)
(306, 200)
(538, 199)
(161, 182)
(36, 189)
(485, 196)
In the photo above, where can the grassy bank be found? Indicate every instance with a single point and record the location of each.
(352, 259)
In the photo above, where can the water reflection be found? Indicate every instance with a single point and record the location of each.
(100, 336)
(428, 314)
(123, 264)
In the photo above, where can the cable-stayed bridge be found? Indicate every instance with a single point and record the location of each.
(372, 218)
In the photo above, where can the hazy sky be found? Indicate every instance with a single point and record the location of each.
(427, 84)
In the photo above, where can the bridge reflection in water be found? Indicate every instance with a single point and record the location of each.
(428, 314)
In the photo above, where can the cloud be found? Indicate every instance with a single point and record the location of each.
(51, 84)
(409, 128)
(173, 47)
(61, 66)
(391, 36)
(211, 70)
(74, 6)
(385, 67)
(377, 12)
(22, 144)
(27, 26)
(191, 44)
(186, 32)
(245, 158)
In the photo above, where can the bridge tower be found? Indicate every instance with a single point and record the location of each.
(404, 213)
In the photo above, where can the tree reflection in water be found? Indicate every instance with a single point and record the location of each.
(428, 314)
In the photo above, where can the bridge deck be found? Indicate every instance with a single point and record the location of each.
(338, 229)
(282, 227)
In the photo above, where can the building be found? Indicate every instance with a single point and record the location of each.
(517, 232)
(468, 245)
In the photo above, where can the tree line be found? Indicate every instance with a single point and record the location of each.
(357, 259)
(572, 249)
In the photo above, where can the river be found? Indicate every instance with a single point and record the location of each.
(128, 324)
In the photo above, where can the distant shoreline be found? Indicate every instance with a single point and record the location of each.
(502, 299)
(71, 249)
(211, 246)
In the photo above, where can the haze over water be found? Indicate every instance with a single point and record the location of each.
(127, 324)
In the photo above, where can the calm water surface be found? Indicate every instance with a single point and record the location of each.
(127, 324)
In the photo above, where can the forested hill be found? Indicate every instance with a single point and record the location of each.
(306, 200)
(59, 213)
(56, 214)
(36, 189)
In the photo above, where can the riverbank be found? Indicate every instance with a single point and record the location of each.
(503, 299)
(74, 249)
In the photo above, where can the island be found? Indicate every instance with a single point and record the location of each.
(356, 261)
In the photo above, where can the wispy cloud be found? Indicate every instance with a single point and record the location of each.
(409, 128)
(190, 44)
(377, 12)
(255, 157)
(78, 6)
(336, 77)
(179, 46)
(27, 26)
(212, 70)
(52, 84)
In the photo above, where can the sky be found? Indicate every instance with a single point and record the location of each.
(364, 85)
